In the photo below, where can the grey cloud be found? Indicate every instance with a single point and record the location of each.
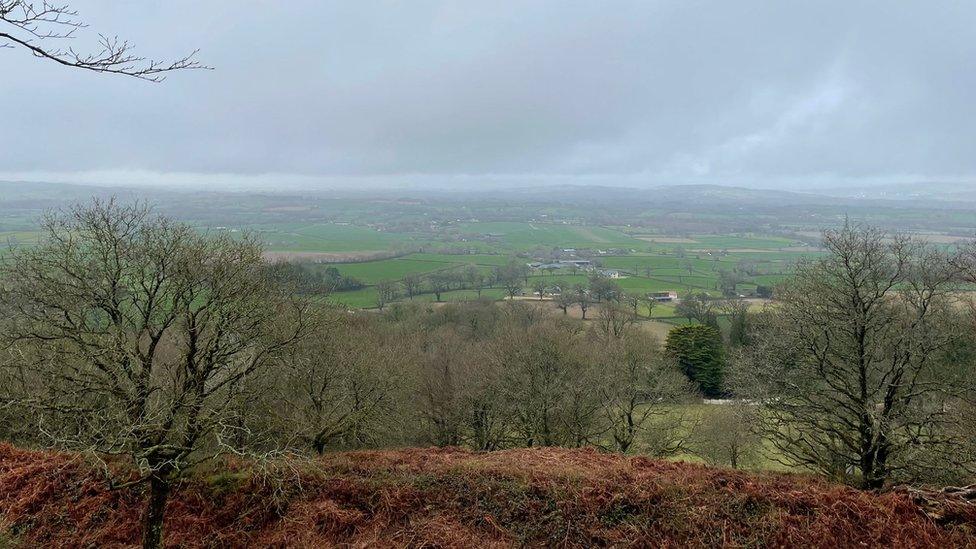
(642, 92)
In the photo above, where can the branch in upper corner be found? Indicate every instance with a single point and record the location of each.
(32, 24)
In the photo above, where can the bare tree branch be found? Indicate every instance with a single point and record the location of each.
(31, 25)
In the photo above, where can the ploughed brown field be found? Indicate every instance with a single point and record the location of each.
(458, 498)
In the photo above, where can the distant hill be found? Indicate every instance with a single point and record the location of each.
(678, 209)
(692, 197)
(931, 193)
(455, 498)
(666, 194)
(704, 197)
(32, 197)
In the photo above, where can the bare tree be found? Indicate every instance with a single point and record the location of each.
(728, 281)
(565, 299)
(614, 320)
(512, 277)
(638, 384)
(486, 418)
(475, 279)
(39, 26)
(725, 436)
(411, 285)
(668, 434)
(539, 286)
(334, 390)
(849, 366)
(651, 302)
(698, 307)
(580, 418)
(386, 292)
(633, 301)
(737, 311)
(602, 288)
(136, 335)
(441, 379)
(545, 383)
(439, 283)
(582, 298)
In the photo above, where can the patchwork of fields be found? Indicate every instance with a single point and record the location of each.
(524, 236)
(394, 270)
(327, 237)
(648, 263)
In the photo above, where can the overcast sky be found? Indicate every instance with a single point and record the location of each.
(773, 94)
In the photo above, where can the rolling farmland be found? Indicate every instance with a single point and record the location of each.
(647, 263)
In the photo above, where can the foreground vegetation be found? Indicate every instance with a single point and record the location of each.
(457, 498)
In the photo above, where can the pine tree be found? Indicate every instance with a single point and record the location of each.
(698, 351)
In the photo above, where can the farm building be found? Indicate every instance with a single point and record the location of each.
(546, 265)
(562, 264)
(581, 263)
(664, 297)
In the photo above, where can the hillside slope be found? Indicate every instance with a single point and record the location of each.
(456, 498)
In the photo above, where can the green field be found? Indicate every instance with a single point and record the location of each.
(366, 297)
(11, 240)
(749, 241)
(18, 238)
(463, 259)
(691, 266)
(372, 272)
(357, 299)
(643, 272)
(327, 237)
(628, 284)
(522, 236)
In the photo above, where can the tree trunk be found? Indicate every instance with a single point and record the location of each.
(318, 444)
(873, 470)
(152, 520)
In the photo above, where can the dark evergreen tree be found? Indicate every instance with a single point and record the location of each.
(698, 351)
